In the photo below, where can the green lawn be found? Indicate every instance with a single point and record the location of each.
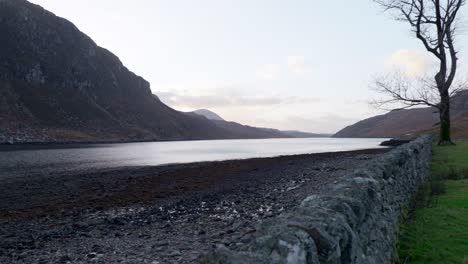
(439, 233)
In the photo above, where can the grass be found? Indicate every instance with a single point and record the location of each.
(438, 232)
(451, 159)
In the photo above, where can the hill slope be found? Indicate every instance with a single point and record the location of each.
(56, 84)
(411, 122)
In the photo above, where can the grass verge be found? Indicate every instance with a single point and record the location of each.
(437, 230)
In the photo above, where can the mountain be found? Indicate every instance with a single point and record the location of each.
(208, 114)
(300, 134)
(411, 122)
(57, 85)
(257, 131)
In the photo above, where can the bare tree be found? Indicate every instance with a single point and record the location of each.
(434, 23)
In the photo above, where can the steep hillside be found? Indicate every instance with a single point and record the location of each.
(56, 84)
(411, 122)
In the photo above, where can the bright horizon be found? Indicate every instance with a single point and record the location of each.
(302, 65)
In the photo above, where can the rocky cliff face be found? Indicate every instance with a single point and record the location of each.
(56, 84)
(411, 122)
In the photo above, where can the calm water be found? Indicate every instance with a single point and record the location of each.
(23, 161)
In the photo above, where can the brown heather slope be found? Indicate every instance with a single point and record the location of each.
(411, 122)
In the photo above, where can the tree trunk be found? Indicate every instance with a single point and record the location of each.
(445, 137)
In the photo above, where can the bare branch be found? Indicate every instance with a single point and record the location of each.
(403, 91)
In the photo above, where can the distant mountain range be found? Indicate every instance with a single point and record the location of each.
(208, 114)
(57, 85)
(250, 131)
(411, 122)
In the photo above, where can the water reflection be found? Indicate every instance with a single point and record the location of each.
(23, 160)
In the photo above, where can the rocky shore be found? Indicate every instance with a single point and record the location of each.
(164, 214)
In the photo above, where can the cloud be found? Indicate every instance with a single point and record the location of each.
(269, 71)
(297, 65)
(294, 64)
(186, 100)
(413, 63)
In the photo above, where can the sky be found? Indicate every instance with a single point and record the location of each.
(296, 65)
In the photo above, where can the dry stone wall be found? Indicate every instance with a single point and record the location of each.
(356, 221)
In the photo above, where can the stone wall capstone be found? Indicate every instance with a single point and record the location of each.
(356, 221)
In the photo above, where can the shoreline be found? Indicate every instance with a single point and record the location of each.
(97, 142)
(170, 213)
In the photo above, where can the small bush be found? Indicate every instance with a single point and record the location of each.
(437, 187)
(443, 160)
(438, 176)
(421, 199)
(463, 174)
(452, 173)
